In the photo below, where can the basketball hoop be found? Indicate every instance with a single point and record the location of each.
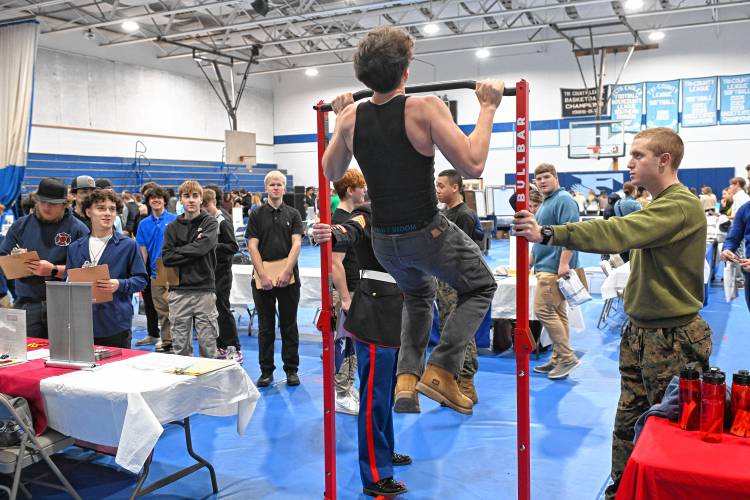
(594, 152)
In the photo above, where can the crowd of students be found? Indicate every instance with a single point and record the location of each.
(180, 263)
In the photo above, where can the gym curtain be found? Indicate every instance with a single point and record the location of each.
(18, 41)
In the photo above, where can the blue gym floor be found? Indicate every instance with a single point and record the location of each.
(455, 456)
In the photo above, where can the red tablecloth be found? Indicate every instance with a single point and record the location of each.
(24, 380)
(669, 463)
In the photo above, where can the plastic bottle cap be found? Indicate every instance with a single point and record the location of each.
(742, 377)
(690, 373)
(714, 376)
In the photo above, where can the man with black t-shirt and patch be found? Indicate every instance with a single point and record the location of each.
(449, 189)
(393, 138)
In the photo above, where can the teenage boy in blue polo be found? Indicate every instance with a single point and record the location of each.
(150, 237)
(49, 230)
(127, 271)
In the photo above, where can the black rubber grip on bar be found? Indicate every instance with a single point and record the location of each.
(427, 87)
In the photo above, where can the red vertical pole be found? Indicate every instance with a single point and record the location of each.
(522, 341)
(324, 323)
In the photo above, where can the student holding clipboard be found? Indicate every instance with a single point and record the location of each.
(126, 269)
(48, 231)
(274, 234)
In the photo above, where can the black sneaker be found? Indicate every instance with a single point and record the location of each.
(387, 487)
(264, 380)
(398, 459)
(292, 378)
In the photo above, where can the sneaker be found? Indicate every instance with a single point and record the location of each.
(347, 405)
(221, 353)
(563, 369)
(164, 347)
(147, 340)
(235, 355)
(546, 367)
(387, 487)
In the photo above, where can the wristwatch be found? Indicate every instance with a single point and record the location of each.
(53, 273)
(546, 234)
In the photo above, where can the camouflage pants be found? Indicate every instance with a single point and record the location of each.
(649, 358)
(447, 298)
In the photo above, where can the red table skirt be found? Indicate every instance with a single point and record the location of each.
(24, 380)
(669, 463)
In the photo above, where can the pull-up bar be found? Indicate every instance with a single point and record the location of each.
(421, 89)
(523, 343)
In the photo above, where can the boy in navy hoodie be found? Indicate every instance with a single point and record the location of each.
(127, 271)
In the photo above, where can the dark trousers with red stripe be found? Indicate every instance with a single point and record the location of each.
(377, 383)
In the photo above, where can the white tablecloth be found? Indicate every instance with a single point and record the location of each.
(617, 280)
(504, 302)
(125, 403)
(242, 292)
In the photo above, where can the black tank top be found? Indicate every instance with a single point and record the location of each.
(400, 180)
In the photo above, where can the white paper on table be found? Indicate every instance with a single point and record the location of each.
(37, 354)
(730, 286)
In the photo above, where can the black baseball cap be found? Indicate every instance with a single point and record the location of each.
(104, 184)
(52, 190)
(82, 182)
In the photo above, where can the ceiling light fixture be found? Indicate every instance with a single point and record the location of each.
(632, 5)
(431, 28)
(130, 26)
(483, 53)
(656, 36)
(311, 72)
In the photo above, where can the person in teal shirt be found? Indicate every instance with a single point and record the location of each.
(551, 263)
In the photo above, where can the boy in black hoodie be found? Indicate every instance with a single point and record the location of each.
(190, 246)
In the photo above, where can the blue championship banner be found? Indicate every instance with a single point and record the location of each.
(699, 102)
(735, 99)
(662, 101)
(627, 105)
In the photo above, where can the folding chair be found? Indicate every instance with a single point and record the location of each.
(30, 450)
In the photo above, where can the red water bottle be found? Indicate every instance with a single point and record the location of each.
(689, 399)
(740, 404)
(713, 397)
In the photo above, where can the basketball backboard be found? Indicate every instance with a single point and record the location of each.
(596, 139)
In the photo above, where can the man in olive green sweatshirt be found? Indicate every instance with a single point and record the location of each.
(665, 289)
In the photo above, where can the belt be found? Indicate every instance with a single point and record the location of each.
(401, 228)
(378, 276)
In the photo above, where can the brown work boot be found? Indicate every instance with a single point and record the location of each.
(466, 386)
(407, 400)
(440, 385)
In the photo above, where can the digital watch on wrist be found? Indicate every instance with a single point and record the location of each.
(546, 234)
(54, 271)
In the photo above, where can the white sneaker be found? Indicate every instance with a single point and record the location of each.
(234, 354)
(347, 405)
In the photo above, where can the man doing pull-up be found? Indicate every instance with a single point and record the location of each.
(393, 138)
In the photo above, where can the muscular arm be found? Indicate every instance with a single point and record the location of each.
(467, 154)
(338, 154)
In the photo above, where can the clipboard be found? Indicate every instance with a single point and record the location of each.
(92, 275)
(273, 269)
(166, 276)
(14, 266)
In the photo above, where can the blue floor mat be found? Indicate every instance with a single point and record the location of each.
(455, 456)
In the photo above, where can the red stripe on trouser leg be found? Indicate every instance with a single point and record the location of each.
(370, 438)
